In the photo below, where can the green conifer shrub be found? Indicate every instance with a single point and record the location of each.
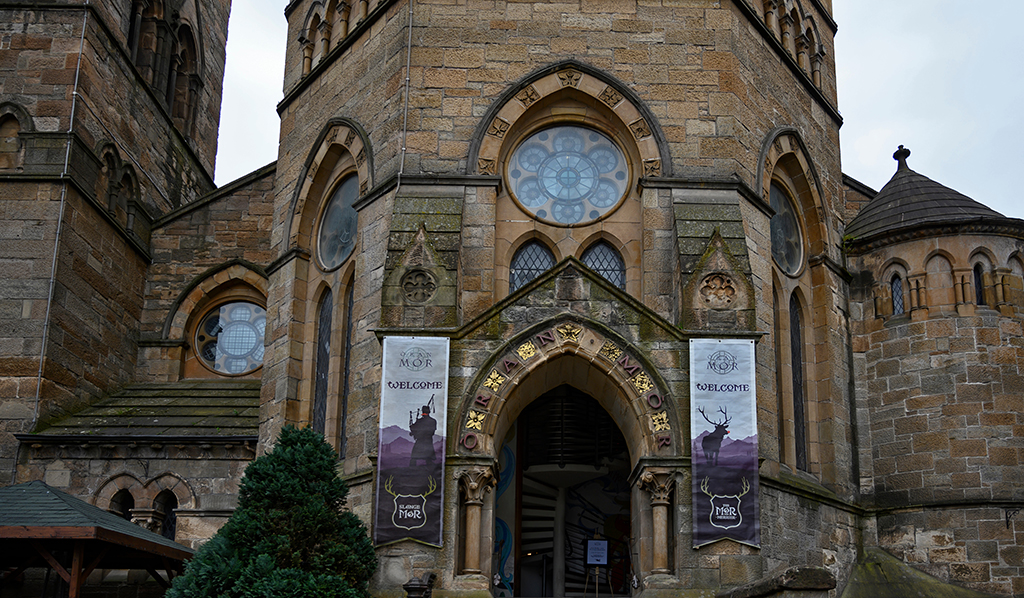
(289, 535)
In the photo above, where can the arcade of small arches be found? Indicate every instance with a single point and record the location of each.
(942, 281)
(151, 504)
(167, 54)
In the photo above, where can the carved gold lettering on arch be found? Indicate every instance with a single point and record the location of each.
(519, 358)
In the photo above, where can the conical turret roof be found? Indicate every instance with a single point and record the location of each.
(911, 200)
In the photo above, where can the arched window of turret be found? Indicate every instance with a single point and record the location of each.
(323, 360)
(606, 261)
(529, 262)
(896, 289)
(979, 284)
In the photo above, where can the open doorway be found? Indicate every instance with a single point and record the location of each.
(564, 469)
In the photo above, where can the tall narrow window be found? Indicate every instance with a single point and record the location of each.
(343, 408)
(979, 287)
(529, 262)
(797, 364)
(606, 261)
(323, 357)
(896, 287)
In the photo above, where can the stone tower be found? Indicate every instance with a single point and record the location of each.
(109, 116)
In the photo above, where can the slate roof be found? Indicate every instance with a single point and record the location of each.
(36, 510)
(911, 200)
(212, 408)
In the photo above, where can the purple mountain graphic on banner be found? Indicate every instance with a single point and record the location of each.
(396, 447)
(733, 452)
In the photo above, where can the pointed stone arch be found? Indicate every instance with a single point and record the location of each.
(113, 485)
(192, 298)
(783, 151)
(586, 81)
(587, 356)
(173, 483)
(342, 148)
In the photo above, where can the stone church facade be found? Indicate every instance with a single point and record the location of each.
(569, 193)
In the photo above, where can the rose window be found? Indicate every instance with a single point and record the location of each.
(568, 175)
(230, 338)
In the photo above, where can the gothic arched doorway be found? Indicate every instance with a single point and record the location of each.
(563, 480)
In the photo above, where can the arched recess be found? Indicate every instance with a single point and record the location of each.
(583, 354)
(591, 83)
(342, 146)
(569, 100)
(783, 151)
(172, 482)
(938, 282)
(14, 121)
(562, 358)
(191, 299)
(114, 484)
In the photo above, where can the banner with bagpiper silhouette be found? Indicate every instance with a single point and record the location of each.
(410, 453)
(723, 442)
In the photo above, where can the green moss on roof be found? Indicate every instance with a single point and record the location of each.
(186, 408)
(880, 575)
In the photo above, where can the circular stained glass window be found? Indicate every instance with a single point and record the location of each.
(337, 236)
(568, 175)
(230, 338)
(787, 244)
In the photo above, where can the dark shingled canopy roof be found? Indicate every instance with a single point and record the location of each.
(39, 523)
(911, 200)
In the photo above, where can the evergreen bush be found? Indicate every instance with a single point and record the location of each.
(289, 535)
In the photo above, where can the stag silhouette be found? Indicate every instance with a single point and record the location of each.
(712, 443)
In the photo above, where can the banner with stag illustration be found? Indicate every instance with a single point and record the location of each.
(410, 455)
(723, 441)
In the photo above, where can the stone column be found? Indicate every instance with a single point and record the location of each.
(362, 8)
(786, 23)
(325, 38)
(659, 485)
(307, 55)
(344, 10)
(474, 483)
(770, 19)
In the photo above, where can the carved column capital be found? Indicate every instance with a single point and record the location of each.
(474, 483)
(659, 484)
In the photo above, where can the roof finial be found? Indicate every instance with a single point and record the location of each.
(901, 156)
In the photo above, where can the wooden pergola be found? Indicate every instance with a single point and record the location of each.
(41, 526)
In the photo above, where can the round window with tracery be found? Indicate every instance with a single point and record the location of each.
(568, 175)
(230, 338)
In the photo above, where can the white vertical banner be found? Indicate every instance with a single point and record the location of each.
(723, 431)
(410, 456)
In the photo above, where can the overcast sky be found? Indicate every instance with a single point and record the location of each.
(934, 75)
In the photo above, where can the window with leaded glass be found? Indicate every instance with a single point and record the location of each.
(797, 363)
(606, 261)
(229, 338)
(787, 242)
(532, 260)
(896, 286)
(979, 287)
(343, 409)
(568, 175)
(323, 357)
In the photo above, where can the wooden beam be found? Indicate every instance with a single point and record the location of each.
(159, 578)
(76, 570)
(95, 562)
(53, 562)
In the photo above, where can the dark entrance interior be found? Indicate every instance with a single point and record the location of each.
(563, 481)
